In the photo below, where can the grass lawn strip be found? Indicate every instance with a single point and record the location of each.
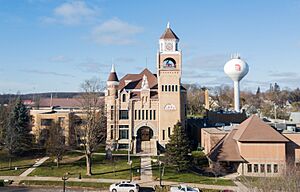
(101, 168)
(21, 163)
(68, 184)
(170, 174)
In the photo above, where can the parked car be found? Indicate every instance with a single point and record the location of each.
(184, 188)
(124, 186)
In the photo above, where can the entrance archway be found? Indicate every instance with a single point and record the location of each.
(144, 134)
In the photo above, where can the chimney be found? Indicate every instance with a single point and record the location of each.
(206, 99)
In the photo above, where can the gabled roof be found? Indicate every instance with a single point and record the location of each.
(169, 34)
(136, 80)
(226, 150)
(255, 130)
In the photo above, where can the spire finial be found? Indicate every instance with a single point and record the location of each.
(168, 24)
(113, 70)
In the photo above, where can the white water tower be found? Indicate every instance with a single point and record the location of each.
(236, 69)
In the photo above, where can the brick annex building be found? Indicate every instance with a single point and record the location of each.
(143, 108)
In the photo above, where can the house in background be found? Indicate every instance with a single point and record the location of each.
(253, 148)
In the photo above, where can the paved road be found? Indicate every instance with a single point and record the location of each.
(57, 189)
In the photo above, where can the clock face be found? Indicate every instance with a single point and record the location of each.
(169, 46)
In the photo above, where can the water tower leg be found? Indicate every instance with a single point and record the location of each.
(237, 96)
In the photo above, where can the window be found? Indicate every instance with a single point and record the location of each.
(262, 168)
(146, 111)
(143, 114)
(169, 63)
(124, 98)
(61, 121)
(163, 135)
(255, 168)
(172, 88)
(111, 132)
(112, 107)
(275, 168)
(46, 122)
(123, 114)
(123, 131)
(135, 114)
(249, 168)
(162, 88)
(176, 88)
(139, 114)
(269, 169)
(123, 146)
(150, 114)
(112, 115)
(169, 88)
(166, 87)
(154, 114)
(169, 131)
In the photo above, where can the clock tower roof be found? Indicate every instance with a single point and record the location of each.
(169, 34)
(113, 75)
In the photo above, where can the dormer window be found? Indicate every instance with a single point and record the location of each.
(124, 98)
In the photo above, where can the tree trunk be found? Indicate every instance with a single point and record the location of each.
(88, 157)
(57, 162)
(9, 163)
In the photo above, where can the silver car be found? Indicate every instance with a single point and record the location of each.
(124, 186)
(184, 188)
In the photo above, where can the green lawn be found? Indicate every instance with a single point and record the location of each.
(170, 174)
(68, 184)
(101, 168)
(22, 163)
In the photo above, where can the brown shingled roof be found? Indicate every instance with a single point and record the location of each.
(226, 150)
(169, 34)
(63, 102)
(136, 80)
(113, 77)
(254, 129)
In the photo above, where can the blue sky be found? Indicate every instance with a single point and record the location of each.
(52, 45)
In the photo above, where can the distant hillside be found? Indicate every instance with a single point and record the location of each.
(4, 98)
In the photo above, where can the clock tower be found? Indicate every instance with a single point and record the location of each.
(170, 92)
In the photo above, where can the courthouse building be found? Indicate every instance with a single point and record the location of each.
(143, 108)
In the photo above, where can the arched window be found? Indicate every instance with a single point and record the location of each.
(124, 98)
(169, 88)
(172, 88)
(166, 87)
(169, 63)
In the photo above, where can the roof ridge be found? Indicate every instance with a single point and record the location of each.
(243, 131)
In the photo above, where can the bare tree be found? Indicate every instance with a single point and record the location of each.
(287, 181)
(55, 143)
(93, 128)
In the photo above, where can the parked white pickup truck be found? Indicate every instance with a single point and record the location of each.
(184, 188)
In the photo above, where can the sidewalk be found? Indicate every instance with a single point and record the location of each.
(146, 169)
(28, 171)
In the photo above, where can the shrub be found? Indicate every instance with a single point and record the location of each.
(1, 183)
(164, 188)
(199, 158)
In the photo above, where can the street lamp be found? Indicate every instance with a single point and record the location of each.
(65, 178)
(130, 163)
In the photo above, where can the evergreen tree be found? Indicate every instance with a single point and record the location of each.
(18, 137)
(178, 148)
